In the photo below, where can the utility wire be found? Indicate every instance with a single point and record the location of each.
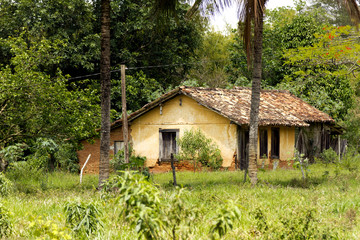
(149, 67)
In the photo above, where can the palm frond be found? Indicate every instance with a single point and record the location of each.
(214, 6)
(249, 13)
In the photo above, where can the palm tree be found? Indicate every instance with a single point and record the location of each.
(252, 13)
(105, 77)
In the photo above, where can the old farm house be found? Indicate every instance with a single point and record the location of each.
(286, 122)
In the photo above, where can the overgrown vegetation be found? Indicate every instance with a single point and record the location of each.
(6, 225)
(83, 218)
(209, 205)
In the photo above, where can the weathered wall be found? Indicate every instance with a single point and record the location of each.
(287, 142)
(145, 129)
(94, 149)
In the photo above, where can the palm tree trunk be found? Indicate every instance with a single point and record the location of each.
(255, 100)
(105, 78)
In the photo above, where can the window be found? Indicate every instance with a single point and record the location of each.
(275, 143)
(263, 143)
(118, 145)
(168, 144)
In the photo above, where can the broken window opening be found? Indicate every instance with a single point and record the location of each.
(263, 143)
(118, 146)
(275, 143)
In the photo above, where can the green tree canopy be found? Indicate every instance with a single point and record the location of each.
(35, 105)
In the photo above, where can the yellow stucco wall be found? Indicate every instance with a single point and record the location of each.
(145, 129)
(287, 144)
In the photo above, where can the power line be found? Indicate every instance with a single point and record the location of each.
(149, 67)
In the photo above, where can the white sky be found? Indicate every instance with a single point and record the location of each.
(229, 15)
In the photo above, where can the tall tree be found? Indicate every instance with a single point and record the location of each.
(105, 78)
(253, 16)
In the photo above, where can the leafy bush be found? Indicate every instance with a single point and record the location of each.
(351, 160)
(224, 221)
(5, 224)
(5, 185)
(43, 153)
(83, 218)
(23, 170)
(329, 156)
(136, 162)
(178, 218)
(195, 146)
(66, 158)
(24, 176)
(11, 154)
(140, 201)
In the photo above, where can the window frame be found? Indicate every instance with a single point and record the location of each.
(161, 145)
(263, 140)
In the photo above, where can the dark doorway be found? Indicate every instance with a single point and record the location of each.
(243, 145)
(263, 143)
(168, 144)
(275, 143)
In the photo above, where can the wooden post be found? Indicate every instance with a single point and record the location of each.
(124, 115)
(173, 168)
(339, 147)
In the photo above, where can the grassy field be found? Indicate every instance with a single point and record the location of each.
(326, 206)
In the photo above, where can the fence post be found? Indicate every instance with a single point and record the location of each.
(173, 169)
(82, 169)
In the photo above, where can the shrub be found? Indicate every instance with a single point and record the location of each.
(136, 162)
(140, 201)
(83, 218)
(351, 160)
(66, 158)
(5, 224)
(5, 185)
(179, 219)
(11, 154)
(329, 156)
(43, 154)
(195, 146)
(224, 221)
(24, 170)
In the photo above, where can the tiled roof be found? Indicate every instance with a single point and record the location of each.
(276, 107)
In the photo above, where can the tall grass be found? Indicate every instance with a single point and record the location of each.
(330, 195)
